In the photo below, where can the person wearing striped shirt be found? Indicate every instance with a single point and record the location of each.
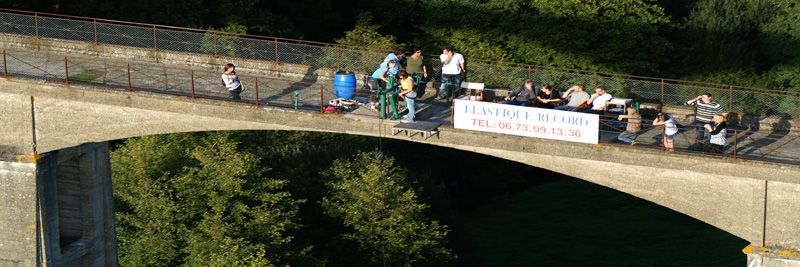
(704, 113)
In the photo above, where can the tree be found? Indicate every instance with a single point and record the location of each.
(199, 200)
(373, 199)
(365, 34)
(607, 35)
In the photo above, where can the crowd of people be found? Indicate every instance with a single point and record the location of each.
(401, 74)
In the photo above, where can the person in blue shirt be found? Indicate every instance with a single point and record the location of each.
(396, 55)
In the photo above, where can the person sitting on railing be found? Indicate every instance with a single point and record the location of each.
(670, 130)
(634, 126)
(577, 98)
(522, 95)
(598, 101)
(718, 133)
(232, 81)
(548, 97)
(396, 56)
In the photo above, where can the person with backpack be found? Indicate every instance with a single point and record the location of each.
(232, 82)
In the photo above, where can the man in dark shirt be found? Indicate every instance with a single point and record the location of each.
(522, 94)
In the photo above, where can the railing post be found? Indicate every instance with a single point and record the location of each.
(339, 56)
(276, 57)
(320, 92)
(191, 74)
(595, 79)
(256, 91)
(730, 99)
(5, 66)
(36, 23)
(529, 72)
(662, 91)
(66, 71)
(129, 78)
(95, 30)
(215, 45)
(155, 43)
(735, 143)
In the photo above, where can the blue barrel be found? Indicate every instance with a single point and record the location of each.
(344, 86)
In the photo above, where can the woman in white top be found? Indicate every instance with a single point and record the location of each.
(232, 81)
(670, 130)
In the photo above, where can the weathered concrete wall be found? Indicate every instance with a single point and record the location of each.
(58, 209)
(16, 126)
(19, 227)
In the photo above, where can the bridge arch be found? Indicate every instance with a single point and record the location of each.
(727, 194)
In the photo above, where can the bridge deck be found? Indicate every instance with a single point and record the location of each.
(783, 147)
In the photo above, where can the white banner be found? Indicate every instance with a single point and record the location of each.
(526, 121)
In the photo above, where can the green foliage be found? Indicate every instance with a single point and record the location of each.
(199, 200)
(87, 76)
(369, 47)
(365, 34)
(373, 198)
(723, 35)
(605, 35)
(227, 42)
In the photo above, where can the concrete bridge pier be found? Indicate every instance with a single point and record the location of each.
(774, 254)
(57, 209)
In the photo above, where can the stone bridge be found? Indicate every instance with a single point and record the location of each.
(57, 204)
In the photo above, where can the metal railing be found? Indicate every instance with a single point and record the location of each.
(359, 59)
(172, 81)
(260, 91)
(775, 146)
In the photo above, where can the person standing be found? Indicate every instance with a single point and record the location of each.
(408, 93)
(417, 67)
(452, 69)
(522, 95)
(634, 126)
(670, 130)
(232, 81)
(704, 112)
